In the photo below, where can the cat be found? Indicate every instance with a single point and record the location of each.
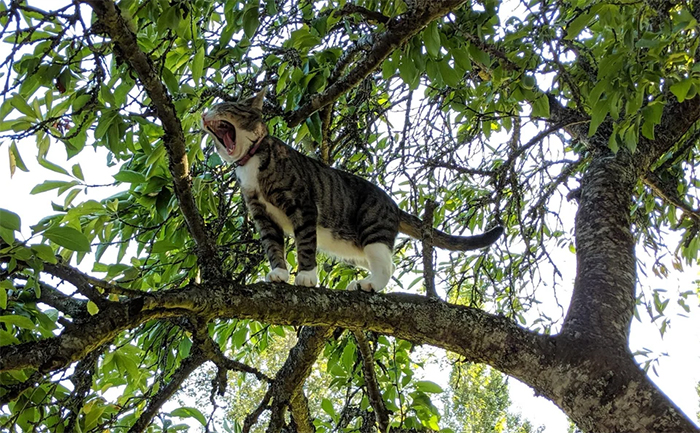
(288, 193)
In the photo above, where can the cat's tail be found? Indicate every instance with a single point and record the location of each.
(413, 226)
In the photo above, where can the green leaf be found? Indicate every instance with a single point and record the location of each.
(51, 166)
(448, 74)
(198, 64)
(17, 320)
(7, 235)
(21, 105)
(327, 407)
(130, 176)
(15, 159)
(3, 294)
(348, 356)
(164, 246)
(578, 24)
(68, 237)
(78, 172)
(51, 184)
(9, 220)
(251, 20)
(189, 412)
(681, 88)
(540, 107)
(92, 308)
(408, 71)
(428, 386)
(431, 38)
(597, 116)
(44, 252)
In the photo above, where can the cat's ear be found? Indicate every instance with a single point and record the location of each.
(257, 100)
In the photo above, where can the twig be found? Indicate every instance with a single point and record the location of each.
(373, 393)
(370, 15)
(186, 368)
(427, 239)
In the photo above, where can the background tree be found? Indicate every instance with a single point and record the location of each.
(503, 118)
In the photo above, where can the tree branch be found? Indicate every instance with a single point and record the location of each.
(399, 31)
(472, 333)
(373, 393)
(428, 271)
(670, 195)
(186, 368)
(127, 48)
(370, 15)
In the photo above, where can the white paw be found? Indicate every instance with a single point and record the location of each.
(306, 278)
(366, 285)
(277, 275)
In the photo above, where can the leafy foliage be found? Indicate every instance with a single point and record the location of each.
(465, 112)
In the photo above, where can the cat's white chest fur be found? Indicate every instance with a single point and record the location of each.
(248, 179)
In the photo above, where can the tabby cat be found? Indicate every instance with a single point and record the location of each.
(288, 193)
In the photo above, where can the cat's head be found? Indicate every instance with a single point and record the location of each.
(236, 126)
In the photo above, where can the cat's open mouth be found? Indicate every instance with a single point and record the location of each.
(224, 131)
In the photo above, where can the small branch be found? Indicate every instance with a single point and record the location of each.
(401, 30)
(670, 195)
(427, 240)
(186, 368)
(373, 393)
(83, 281)
(370, 15)
(213, 352)
(82, 382)
(79, 280)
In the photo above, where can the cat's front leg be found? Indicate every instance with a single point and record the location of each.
(303, 217)
(272, 238)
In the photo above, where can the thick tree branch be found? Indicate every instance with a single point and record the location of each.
(77, 279)
(127, 48)
(76, 308)
(399, 31)
(291, 377)
(472, 333)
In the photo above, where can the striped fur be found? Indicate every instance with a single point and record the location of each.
(288, 193)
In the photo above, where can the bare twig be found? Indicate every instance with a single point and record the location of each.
(373, 393)
(186, 368)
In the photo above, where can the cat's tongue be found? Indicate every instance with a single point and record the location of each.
(229, 142)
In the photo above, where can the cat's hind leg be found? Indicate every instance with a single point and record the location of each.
(381, 267)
